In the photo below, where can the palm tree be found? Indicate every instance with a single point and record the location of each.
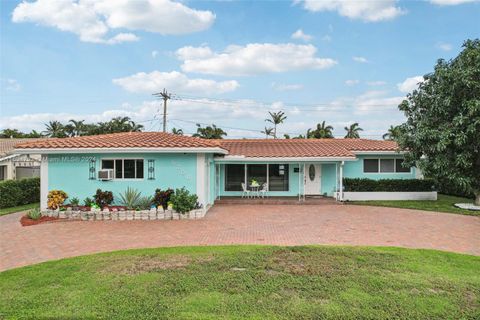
(276, 118)
(75, 128)
(54, 129)
(267, 132)
(392, 133)
(353, 131)
(321, 132)
(178, 132)
(209, 132)
(135, 127)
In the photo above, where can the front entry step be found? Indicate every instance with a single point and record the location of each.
(309, 200)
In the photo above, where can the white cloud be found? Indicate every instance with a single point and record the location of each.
(366, 10)
(154, 54)
(11, 85)
(254, 58)
(94, 20)
(409, 84)
(156, 80)
(300, 35)
(360, 59)
(376, 83)
(451, 2)
(370, 101)
(286, 87)
(444, 46)
(352, 82)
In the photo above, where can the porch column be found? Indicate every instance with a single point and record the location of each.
(299, 191)
(341, 181)
(44, 182)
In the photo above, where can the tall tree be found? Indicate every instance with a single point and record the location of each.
(392, 133)
(178, 132)
(12, 133)
(54, 129)
(276, 118)
(209, 132)
(75, 128)
(268, 132)
(442, 130)
(322, 131)
(353, 131)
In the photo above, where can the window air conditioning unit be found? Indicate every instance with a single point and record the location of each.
(105, 174)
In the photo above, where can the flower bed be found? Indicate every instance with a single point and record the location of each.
(26, 221)
(91, 214)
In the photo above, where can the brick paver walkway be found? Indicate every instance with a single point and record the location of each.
(243, 224)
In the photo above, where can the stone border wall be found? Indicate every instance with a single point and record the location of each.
(152, 214)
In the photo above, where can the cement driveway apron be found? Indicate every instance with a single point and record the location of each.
(243, 224)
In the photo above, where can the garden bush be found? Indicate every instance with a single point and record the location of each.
(183, 201)
(56, 198)
(103, 198)
(19, 192)
(162, 197)
(34, 214)
(387, 185)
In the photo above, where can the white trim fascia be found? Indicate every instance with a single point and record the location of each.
(120, 150)
(284, 159)
(378, 152)
(44, 182)
(9, 157)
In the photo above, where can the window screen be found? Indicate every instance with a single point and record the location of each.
(370, 165)
(278, 177)
(234, 177)
(387, 165)
(399, 167)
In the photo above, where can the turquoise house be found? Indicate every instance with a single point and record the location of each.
(212, 169)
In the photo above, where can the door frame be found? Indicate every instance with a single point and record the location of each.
(318, 174)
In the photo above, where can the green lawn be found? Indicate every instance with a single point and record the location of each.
(443, 204)
(248, 282)
(5, 211)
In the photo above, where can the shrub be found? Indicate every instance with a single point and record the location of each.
(183, 201)
(17, 192)
(103, 198)
(87, 202)
(56, 198)
(34, 214)
(144, 203)
(161, 198)
(130, 198)
(385, 185)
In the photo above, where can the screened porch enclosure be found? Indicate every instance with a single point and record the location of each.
(282, 179)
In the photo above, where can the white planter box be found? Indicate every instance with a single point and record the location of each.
(367, 196)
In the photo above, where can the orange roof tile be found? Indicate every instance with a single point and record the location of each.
(122, 140)
(254, 148)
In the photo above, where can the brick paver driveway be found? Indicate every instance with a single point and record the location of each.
(243, 224)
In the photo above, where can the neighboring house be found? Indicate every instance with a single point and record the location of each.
(210, 168)
(17, 166)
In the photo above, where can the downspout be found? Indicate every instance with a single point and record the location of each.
(341, 180)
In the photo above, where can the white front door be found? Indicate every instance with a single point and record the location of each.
(313, 176)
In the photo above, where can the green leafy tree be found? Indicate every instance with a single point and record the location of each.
(442, 131)
(392, 133)
(353, 131)
(322, 131)
(178, 132)
(75, 128)
(276, 118)
(12, 133)
(209, 132)
(54, 129)
(268, 132)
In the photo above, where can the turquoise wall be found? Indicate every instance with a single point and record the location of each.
(329, 179)
(70, 173)
(354, 169)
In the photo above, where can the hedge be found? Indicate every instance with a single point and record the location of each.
(386, 185)
(19, 192)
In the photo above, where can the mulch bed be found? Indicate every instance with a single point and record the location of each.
(26, 221)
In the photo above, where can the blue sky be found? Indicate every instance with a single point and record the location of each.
(226, 62)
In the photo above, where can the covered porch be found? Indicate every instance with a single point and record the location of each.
(286, 182)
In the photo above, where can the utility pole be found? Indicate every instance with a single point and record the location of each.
(165, 96)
